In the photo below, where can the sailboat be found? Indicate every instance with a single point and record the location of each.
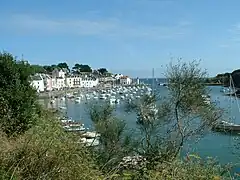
(225, 126)
(230, 91)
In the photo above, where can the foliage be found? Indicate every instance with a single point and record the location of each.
(103, 71)
(38, 69)
(78, 68)
(166, 124)
(46, 152)
(63, 66)
(191, 115)
(43, 150)
(114, 143)
(191, 170)
(49, 69)
(17, 97)
(225, 78)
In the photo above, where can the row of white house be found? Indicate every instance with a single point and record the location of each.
(59, 80)
(43, 82)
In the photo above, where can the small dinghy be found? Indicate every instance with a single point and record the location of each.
(225, 126)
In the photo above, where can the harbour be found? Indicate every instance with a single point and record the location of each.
(214, 144)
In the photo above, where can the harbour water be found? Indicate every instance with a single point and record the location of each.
(220, 146)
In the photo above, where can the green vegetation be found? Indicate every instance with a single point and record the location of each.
(34, 146)
(17, 98)
(225, 78)
(76, 69)
(103, 71)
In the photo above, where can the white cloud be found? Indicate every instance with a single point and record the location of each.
(106, 27)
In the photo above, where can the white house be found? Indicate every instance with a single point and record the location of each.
(60, 83)
(125, 80)
(47, 82)
(89, 82)
(118, 76)
(59, 73)
(54, 83)
(38, 83)
(73, 81)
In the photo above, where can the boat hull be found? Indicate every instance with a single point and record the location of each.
(226, 128)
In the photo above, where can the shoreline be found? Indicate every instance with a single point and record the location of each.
(213, 84)
(48, 95)
(57, 93)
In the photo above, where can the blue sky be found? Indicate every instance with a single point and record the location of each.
(129, 36)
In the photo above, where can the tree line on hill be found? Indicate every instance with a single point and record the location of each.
(224, 78)
(76, 69)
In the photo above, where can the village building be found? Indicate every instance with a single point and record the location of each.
(125, 80)
(37, 83)
(73, 81)
(89, 82)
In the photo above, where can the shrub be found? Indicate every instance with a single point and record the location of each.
(46, 152)
(17, 97)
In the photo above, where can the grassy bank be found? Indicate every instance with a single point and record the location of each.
(47, 152)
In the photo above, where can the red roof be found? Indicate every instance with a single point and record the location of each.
(124, 77)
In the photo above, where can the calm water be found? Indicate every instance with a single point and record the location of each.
(213, 144)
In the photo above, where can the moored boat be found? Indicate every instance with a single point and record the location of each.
(224, 126)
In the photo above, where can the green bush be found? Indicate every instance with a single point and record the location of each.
(17, 97)
(46, 152)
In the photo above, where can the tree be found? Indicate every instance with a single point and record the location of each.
(103, 71)
(115, 143)
(17, 97)
(38, 69)
(63, 66)
(78, 68)
(236, 78)
(191, 114)
(166, 124)
(50, 68)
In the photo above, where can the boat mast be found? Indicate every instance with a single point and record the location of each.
(235, 92)
(153, 88)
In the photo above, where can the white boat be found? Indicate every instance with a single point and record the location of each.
(89, 134)
(90, 138)
(108, 95)
(88, 97)
(117, 101)
(112, 100)
(78, 99)
(52, 101)
(62, 99)
(74, 127)
(62, 107)
(207, 99)
(122, 97)
(65, 119)
(102, 96)
(90, 141)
